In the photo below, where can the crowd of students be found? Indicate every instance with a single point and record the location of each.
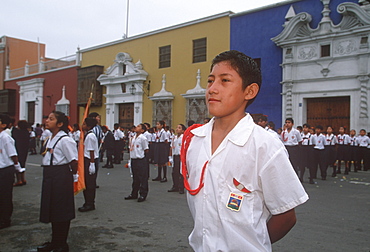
(318, 148)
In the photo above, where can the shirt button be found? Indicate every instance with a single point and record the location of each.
(204, 231)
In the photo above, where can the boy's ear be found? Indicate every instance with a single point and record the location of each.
(251, 91)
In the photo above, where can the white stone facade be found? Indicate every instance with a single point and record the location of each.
(345, 72)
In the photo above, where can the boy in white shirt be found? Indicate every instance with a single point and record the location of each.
(242, 187)
(176, 142)
(138, 148)
(8, 165)
(291, 139)
(318, 140)
(363, 142)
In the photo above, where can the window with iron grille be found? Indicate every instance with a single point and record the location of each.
(199, 50)
(164, 56)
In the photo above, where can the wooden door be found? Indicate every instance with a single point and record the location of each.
(31, 112)
(333, 111)
(126, 115)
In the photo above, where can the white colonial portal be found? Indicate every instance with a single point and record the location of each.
(329, 61)
(124, 82)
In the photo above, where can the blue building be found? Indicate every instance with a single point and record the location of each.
(252, 32)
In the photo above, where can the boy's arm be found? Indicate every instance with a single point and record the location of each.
(92, 156)
(279, 225)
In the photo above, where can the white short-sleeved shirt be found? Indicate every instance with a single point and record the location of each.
(363, 141)
(161, 136)
(148, 136)
(255, 159)
(45, 134)
(291, 138)
(343, 139)
(76, 135)
(118, 134)
(91, 144)
(352, 141)
(318, 141)
(138, 145)
(64, 152)
(176, 145)
(306, 138)
(7, 149)
(331, 139)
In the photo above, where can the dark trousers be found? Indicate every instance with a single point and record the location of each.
(117, 151)
(90, 182)
(319, 160)
(140, 177)
(362, 153)
(178, 180)
(110, 156)
(60, 232)
(293, 156)
(6, 193)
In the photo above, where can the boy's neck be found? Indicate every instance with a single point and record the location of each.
(137, 133)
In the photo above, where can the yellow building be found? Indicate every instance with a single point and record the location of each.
(159, 75)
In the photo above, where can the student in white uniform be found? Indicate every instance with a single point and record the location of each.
(318, 140)
(177, 180)
(161, 151)
(291, 139)
(363, 142)
(91, 161)
(242, 187)
(138, 147)
(352, 156)
(330, 150)
(57, 197)
(342, 152)
(8, 165)
(306, 152)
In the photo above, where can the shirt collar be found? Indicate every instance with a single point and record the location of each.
(239, 135)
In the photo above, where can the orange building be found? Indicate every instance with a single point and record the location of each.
(15, 52)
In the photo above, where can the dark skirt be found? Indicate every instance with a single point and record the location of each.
(57, 197)
(161, 153)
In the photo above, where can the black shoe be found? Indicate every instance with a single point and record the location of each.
(110, 166)
(4, 224)
(141, 199)
(156, 179)
(181, 192)
(46, 247)
(61, 248)
(105, 166)
(86, 208)
(130, 197)
(334, 174)
(173, 189)
(163, 180)
(311, 181)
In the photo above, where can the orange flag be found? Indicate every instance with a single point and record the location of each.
(80, 184)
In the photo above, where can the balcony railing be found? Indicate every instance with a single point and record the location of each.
(43, 66)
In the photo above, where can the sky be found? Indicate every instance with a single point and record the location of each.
(64, 25)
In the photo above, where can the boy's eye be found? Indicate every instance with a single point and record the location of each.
(225, 80)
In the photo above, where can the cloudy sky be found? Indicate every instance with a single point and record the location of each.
(65, 24)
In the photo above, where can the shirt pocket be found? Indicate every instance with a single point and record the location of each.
(244, 214)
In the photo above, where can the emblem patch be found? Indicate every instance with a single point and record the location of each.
(234, 202)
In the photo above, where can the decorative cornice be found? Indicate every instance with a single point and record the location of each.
(353, 16)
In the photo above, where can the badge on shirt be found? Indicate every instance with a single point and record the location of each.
(234, 202)
(1, 150)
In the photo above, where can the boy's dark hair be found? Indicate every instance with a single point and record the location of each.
(93, 114)
(62, 118)
(182, 126)
(290, 120)
(306, 125)
(244, 65)
(271, 124)
(319, 127)
(91, 122)
(190, 123)
(104, 127)
(299, 127)
(22, 125)
(363, 130)
(262, 118)
(116, 125)
(162, 123)
(76, 126)
(5, 119)
(147, 125)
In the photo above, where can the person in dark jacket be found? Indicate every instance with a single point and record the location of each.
(108, 145)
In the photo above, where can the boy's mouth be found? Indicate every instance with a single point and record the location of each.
(213, 100)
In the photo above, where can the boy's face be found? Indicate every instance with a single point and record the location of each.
(341, 130)
(84, 126)
(51, 122)
(138, 129)
(305, 129)
(362, 133)
(2, 126)
(317, 131)
(179, 129)
(225, 96)
(159, 126)
(288, 124)
(329, 130)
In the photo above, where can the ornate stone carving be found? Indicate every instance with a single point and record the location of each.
(307, 53)
(363, 95)
(345, 47)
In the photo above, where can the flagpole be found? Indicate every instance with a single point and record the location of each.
(127, 12)
(80, 184)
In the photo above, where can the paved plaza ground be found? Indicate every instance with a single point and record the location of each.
(336, 218)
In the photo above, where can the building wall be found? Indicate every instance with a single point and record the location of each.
(181, 75)
(52, 91)
(16, 52)
(251, 33)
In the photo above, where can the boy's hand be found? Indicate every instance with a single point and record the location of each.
(75, 177)
(92, 168)
(18, 168)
